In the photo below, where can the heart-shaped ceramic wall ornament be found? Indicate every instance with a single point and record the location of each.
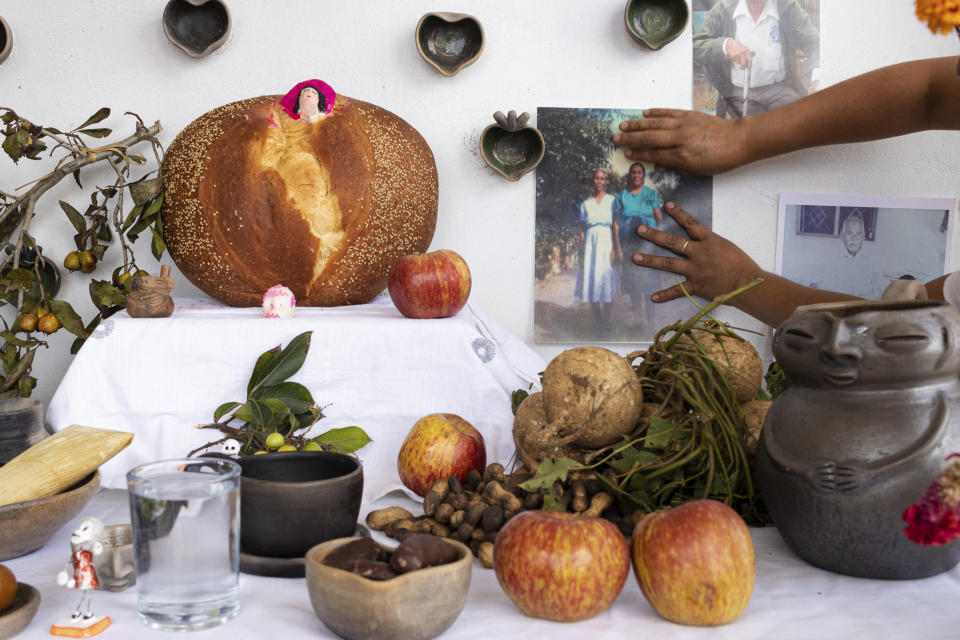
(449, 41)
(196, 26)
(654, 23)
(510, 147)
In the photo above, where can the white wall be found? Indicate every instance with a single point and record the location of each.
(71, 57)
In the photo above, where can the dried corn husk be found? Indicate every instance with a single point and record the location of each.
(58, 462)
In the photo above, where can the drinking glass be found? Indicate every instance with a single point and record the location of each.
(186, 539)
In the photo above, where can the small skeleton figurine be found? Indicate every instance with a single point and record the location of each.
(231, 447)
(80, 573)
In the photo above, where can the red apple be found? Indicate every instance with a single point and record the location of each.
(695, 563)
(560, 566)
(429, 285)
(439, 445)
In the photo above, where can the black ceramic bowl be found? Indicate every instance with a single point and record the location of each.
(291, 501)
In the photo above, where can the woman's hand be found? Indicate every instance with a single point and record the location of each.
(690, 141)
(711, 264)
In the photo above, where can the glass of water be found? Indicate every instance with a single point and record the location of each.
(186, 538)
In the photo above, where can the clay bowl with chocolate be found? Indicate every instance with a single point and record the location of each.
(291, 501)
(27, 526)
(417, 605)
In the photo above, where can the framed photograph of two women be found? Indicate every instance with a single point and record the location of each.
(590, 200)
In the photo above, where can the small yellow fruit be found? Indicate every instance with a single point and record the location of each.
(88, 261)
(48, 323)
(257, 453)
(274, 440)
(28, 322)
(123, 277)
(311, 446)
(287, 447)
(72, 261)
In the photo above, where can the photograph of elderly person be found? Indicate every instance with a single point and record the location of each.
(637, 204)
(751, 56)
(578, 141)
(598, 281)
(870, 242)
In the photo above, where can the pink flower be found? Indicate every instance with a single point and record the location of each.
(935, 518)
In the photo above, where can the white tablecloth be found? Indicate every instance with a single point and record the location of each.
(791, 600)
(367, 365)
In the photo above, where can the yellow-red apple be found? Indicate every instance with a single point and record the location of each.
(695, 563)
(439, 445)
(429, 285)
(560, 566)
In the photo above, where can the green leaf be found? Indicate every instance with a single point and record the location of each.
(75, 217)
(20, 369)
(345, 439)
(136, 158)
(101, 115)
(516, 399)
(632, 457)
(25, 386)
(69, 318)
(11, 338)
(132, 217)
(105, 295)
(12, 145)
(10, 116)
(260, 368)
(18, 279)
(154, 206)
(292, 394)
(143, 191)
(661, 432)
(96, 133)
(286, 363)
(261, 414)
(157, 245)
(224, 409)
(551, 471)
(141, 224)
(244, 412)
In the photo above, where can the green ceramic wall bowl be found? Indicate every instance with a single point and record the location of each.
(449, 41)
(510, 147)
(654, 23)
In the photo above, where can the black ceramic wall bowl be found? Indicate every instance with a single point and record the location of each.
(654, 23)
(196, 26)
(6, 40)
(449, 41)
(291, 501)
(510, 147)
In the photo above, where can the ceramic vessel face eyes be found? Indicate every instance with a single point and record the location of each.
(196, 26)
(870, 347)
(654, 23)
(449, 41)
(511, 153)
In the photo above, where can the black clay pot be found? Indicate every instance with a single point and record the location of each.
(291, 501)
(49, 273)
(21, 426)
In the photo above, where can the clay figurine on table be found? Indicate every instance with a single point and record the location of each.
(80, 573)
(150, 295)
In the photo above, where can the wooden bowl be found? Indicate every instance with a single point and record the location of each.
(291, 501)
(654, 23)
(27, 526)
(414, 606)
(449, 41)
(21, 612)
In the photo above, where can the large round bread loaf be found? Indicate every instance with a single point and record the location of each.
(256, 198)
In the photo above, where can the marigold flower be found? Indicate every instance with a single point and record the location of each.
(935, 518)
(940, 15)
